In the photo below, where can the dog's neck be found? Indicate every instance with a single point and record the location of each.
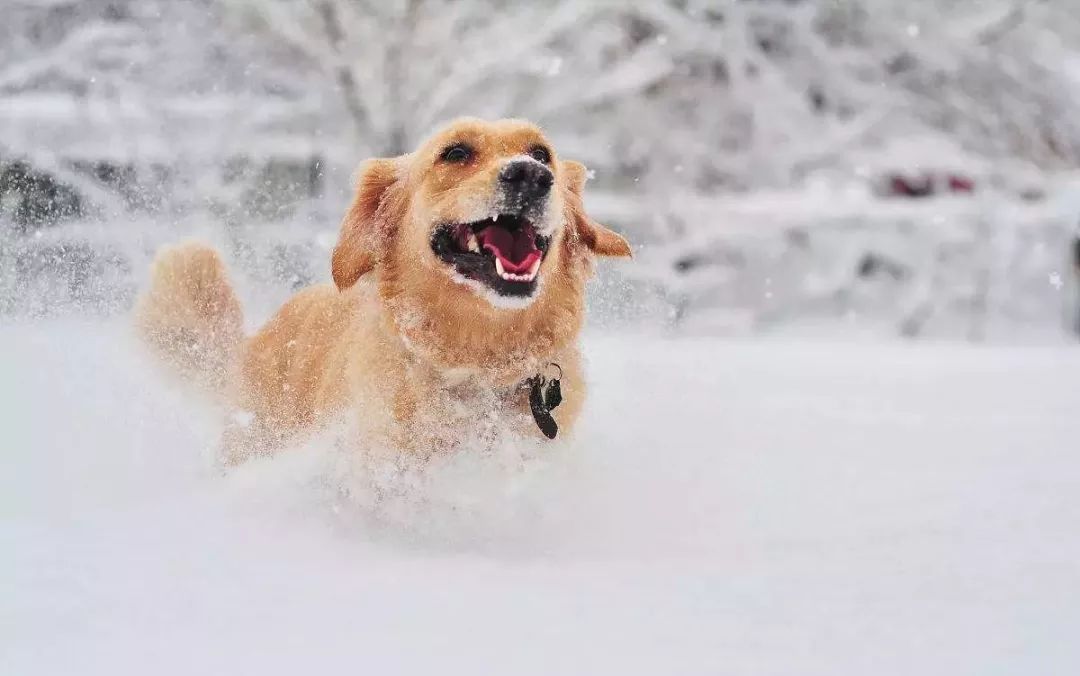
(477, 355)
(500, 353)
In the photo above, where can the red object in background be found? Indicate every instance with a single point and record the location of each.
(961, 184)
(927, 185)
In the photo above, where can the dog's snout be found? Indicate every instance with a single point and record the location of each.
(526, 178)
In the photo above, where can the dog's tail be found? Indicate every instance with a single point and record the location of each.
(190, 315)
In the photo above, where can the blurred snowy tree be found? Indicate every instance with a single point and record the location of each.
(132, 102)
(397, 69)
(677, 95)
(781, 95)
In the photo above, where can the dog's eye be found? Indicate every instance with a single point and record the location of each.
(457, 153)
(540, 154)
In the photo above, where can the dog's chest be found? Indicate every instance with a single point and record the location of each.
(466, 396)
(463, 406)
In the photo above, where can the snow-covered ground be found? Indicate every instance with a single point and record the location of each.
(768, 508)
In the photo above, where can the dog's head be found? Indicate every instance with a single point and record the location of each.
(483, 220)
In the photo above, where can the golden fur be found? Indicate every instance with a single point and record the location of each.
(410, 354)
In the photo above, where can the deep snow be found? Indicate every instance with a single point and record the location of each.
(768, 508)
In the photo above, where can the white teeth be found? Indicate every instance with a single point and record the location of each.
(474, 246)
(511, 277)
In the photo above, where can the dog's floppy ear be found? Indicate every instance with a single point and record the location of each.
(600, 240)
(369, 223)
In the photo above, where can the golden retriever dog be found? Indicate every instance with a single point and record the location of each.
(458, 297)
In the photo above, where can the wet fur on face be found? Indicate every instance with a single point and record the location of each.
(459, 273)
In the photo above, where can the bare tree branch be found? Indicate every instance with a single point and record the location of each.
(346, 82)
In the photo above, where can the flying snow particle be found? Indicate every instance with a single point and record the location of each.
(243, 418)
(1055, 280)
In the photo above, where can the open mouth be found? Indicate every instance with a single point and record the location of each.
(503, 252)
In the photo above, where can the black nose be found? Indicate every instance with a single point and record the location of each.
(526, 178)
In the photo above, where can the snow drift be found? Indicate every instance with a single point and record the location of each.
(727, 508)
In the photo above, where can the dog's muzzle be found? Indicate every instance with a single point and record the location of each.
(524, 186)
(505, 249)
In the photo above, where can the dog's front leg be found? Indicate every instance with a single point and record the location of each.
(247, 435)
(412, 427)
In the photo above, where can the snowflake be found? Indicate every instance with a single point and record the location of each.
(243, 418)
(1055, 280)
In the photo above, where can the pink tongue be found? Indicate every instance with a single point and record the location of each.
(516, 250)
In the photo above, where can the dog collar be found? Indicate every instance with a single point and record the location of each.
(544, 396)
